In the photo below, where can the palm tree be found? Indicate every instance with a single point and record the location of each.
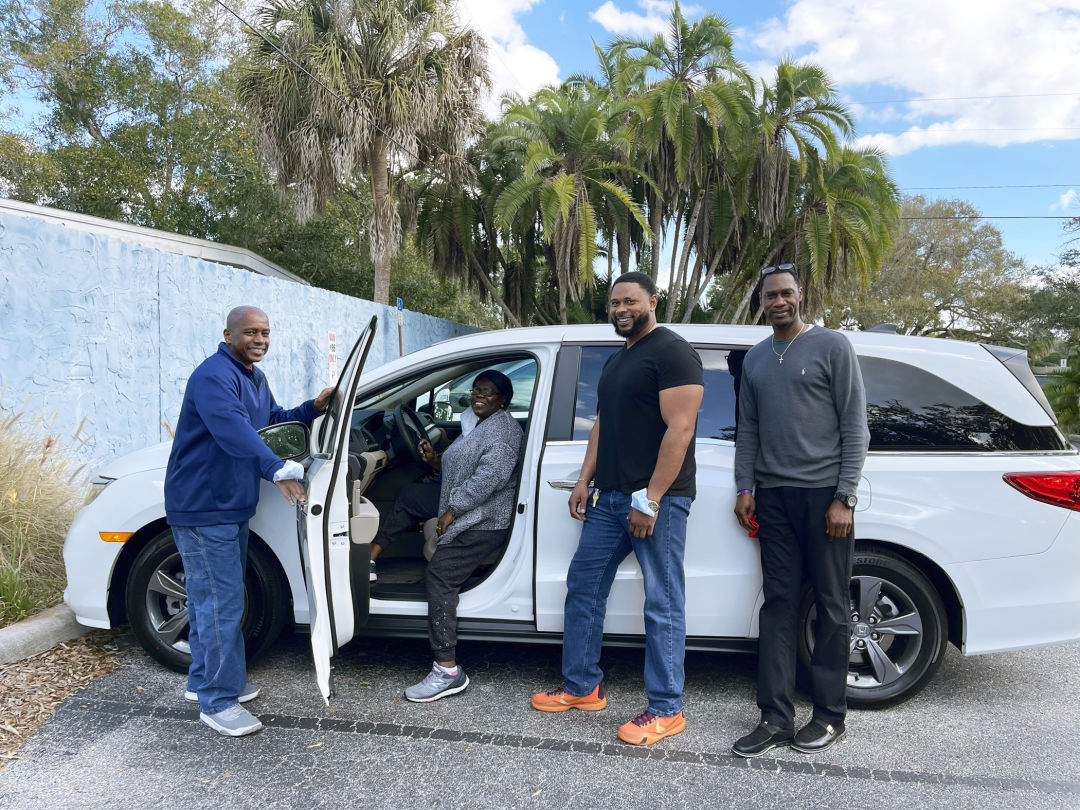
(798, 109)
(624, 79)
(850, 210)
(340, 88)
(795, 130)
(686, 112)
(568, 180)
(456, 228)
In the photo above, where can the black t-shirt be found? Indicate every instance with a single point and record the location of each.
(631, 427)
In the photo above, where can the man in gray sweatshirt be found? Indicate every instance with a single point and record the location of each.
(799, 451)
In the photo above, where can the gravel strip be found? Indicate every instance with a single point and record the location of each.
(31, 689)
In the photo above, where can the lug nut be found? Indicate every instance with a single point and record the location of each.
(872, 620)
(860, 644)
(854, 617)
(875, 636)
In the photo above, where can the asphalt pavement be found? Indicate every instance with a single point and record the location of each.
(993, 731)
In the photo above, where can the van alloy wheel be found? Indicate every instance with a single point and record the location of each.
(899, 630)
(156, 600)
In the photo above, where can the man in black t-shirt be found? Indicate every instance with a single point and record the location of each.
(641, 459)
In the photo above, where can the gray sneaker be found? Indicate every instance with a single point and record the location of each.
(437, 685)
(235, 721)
(249, 692)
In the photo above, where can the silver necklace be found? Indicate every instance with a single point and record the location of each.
(780, 355)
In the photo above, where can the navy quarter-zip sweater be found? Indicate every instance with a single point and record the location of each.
(217, 457)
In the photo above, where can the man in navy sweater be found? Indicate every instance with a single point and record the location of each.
(211, 491)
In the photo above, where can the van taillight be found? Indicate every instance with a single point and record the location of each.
(1059, 489)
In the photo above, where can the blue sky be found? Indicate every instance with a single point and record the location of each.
(983, 92)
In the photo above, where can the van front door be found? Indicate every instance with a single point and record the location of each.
(335, 535)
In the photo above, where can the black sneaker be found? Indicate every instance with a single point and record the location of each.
(763, 738)
(373, 577)
(817, 736)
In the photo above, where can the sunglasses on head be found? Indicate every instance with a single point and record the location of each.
(779, 268)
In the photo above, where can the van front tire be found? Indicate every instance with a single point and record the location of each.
(156, 602)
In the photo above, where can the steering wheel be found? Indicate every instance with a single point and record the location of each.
(411, 430)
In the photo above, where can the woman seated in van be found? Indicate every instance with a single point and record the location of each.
(416, 502)
(476, 506)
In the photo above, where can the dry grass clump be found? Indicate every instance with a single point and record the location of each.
(41, 488)
(31, 689)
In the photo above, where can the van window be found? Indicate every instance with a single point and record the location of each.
(910, 409)
(716, 417)
(454, 396)
(592, 363)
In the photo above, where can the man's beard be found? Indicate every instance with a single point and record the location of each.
(636, 327)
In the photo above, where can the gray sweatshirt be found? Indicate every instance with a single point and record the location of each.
(478, 481)
(802, 423)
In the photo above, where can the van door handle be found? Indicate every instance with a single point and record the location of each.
(565, 484)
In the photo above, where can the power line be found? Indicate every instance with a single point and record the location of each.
(965, 98)
(949, 188)
(964, 131)
(986, 216)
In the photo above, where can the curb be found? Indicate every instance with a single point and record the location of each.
(38, 633)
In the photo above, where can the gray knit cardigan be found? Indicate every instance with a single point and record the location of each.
(478, 481)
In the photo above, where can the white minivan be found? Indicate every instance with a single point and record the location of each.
(967, 526)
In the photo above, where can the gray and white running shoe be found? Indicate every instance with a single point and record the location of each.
(235, 721)
(437, 685)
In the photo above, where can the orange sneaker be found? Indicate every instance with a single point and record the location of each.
(647, 728)
(559, 700)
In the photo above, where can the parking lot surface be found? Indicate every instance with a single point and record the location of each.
(992, 731)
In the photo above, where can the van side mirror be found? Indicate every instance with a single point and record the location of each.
(288, 440)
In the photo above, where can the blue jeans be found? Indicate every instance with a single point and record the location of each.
(215, 558)
(605, 542)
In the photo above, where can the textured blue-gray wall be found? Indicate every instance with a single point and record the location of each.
(98, 329)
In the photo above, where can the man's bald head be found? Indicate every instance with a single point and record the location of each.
(236, 316)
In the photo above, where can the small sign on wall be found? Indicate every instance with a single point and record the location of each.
(332, 355)
(400, 321)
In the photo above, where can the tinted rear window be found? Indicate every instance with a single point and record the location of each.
(910, 409)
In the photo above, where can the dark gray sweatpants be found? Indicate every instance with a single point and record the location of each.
(450, 566)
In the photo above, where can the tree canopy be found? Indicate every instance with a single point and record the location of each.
(344, 142)
(947, 275)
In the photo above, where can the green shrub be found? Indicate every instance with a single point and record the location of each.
(41, 488)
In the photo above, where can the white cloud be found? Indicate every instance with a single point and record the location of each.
(516, 66)
(631, 23)
(1068, 201)
(951, 49)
